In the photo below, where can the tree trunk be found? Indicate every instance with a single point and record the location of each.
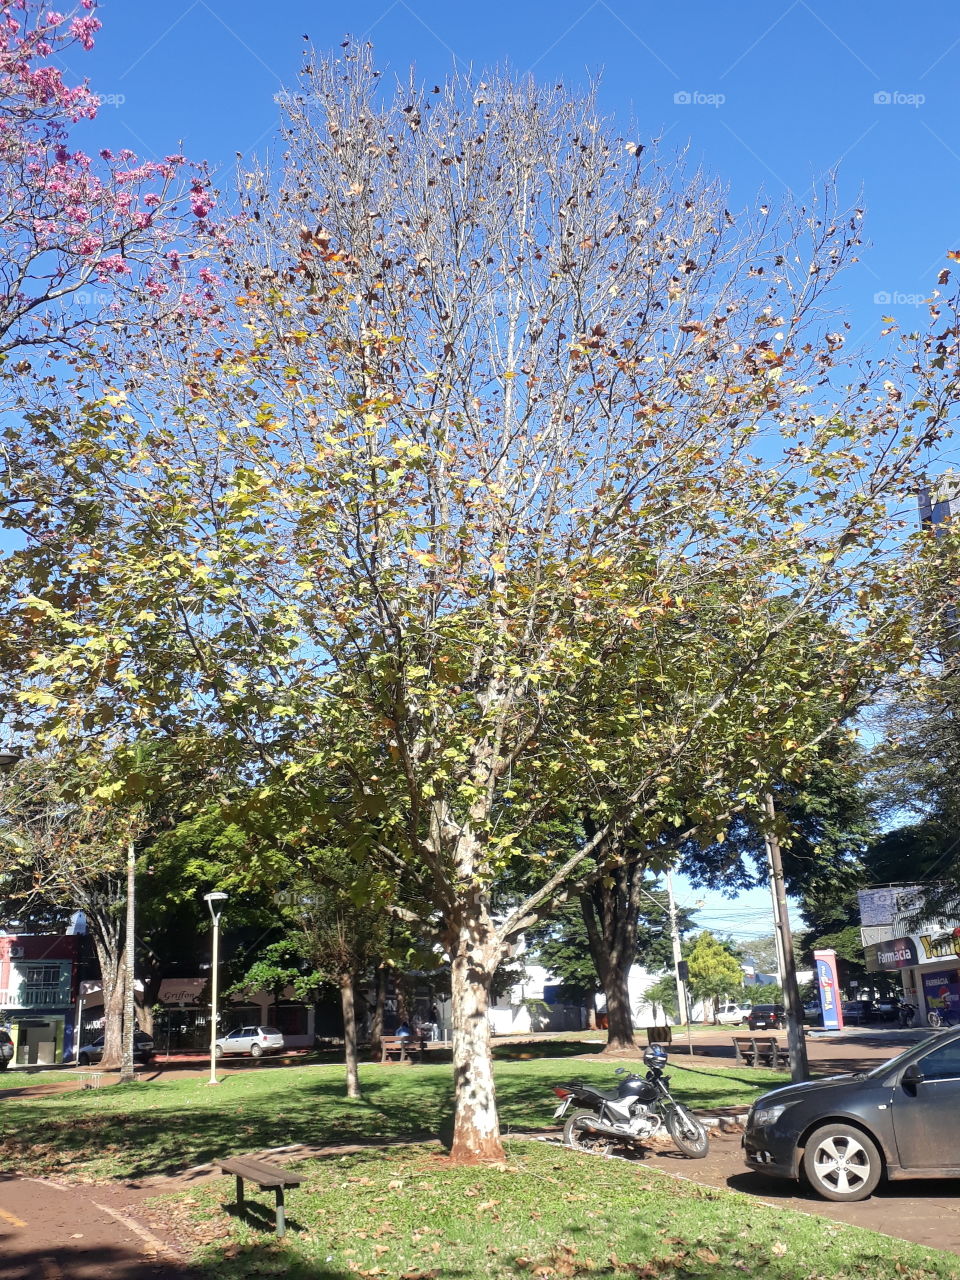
(611, 934)
(619, 1012)
(381, 975)
(345, 981)
(475, 956)
(112, 984)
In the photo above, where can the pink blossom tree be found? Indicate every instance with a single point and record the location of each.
(84, 240)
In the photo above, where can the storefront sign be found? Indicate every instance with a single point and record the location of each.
(940, 946)
(882, 906)
(891, 953)
(826, 962)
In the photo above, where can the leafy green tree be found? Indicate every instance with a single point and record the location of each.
(500, 489)
(663, 993)
(715, 971)
(64, 851)
(589, 945)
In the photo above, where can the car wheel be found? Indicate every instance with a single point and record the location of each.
(842, 1163)
(83, 1060)
(256, 1051)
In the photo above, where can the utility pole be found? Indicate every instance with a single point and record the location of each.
(683, 1009)
(127, 1073)
(796, 1044)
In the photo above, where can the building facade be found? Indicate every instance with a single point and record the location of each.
(925, 953)
(38, 990)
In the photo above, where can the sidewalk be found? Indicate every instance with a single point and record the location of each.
(54, 1232)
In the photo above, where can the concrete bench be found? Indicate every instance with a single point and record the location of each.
(267, 1177)
(759, 1051)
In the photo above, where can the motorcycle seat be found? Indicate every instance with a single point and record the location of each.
(608, 1095)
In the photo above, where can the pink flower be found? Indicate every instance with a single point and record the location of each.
(114, 264)
(201, 201)
(84, 29)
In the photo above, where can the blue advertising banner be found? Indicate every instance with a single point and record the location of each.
(826, 962)
(942, 991)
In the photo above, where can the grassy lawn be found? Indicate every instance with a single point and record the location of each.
(29, 1078)
(545, 1213)
(163, 1126)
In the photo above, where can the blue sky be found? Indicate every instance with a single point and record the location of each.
(769, 96)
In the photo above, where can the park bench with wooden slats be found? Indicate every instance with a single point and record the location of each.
(759, 1051)
(267, 1177)
(402, 1048)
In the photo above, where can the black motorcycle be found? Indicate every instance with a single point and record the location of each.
(638, 1108)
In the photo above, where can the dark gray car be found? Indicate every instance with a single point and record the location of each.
(900, 1120)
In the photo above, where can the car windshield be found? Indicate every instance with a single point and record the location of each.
(892, 1063)
(270, 1031)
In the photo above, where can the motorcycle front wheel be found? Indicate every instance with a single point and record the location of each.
(687, 1132)
(576, 1134)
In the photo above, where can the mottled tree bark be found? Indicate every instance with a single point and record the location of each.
(347, 1004)
(475, 956)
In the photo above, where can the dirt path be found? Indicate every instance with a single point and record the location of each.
(54, 1232)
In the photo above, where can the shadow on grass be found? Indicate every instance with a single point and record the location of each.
(524, 1051)
(170, 1125)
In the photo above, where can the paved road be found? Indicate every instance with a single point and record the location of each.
(925, 1212)
(49, 1232)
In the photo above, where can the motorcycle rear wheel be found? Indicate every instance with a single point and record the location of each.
(576, 1134)
(687, 1132)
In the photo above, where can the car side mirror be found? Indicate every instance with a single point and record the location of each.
(912, 1075)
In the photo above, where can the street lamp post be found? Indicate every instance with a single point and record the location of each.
(215, 901)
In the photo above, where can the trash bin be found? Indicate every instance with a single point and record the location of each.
(659, 1035)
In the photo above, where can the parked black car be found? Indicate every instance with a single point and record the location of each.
(858, 1011)
(767, 1017)
(887, 1009)
(902, 1120)
(6, 1049)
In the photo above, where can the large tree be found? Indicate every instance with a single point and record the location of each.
(506, 486)
(63, 851)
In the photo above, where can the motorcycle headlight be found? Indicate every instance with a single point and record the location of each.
(764, 1116)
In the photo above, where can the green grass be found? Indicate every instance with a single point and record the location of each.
(31, 1077)
(545, 1213)
(163, 1126)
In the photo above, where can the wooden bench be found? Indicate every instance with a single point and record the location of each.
(760, 1051)
(267, 1177)
(402, 1048)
